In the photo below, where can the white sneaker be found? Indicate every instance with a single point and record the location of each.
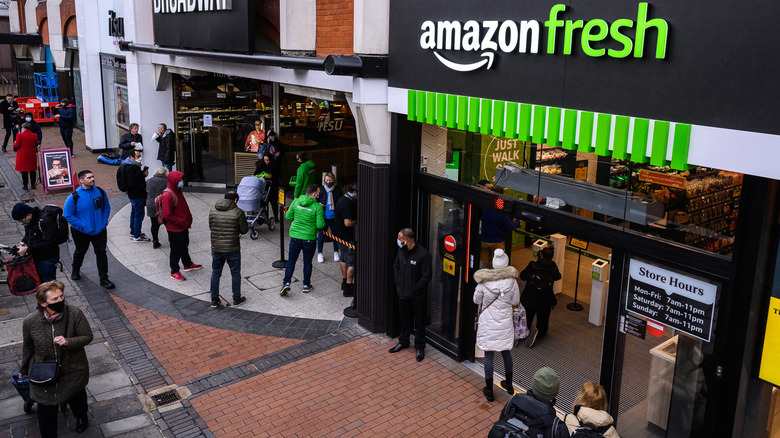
(320, 258)
(336, 257)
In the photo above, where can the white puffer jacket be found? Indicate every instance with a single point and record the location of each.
(593, 418)
(497, 292)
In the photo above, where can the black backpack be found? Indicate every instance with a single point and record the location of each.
(121, 180)
(515, 423)
(59, 219)
(539, 281)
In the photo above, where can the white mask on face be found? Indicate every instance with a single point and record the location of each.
(28, 119)
(400, 242)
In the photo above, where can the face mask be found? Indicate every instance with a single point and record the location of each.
(139, 161)
(57, 307)
(27, 119)
(400, 243)
(328, 184)
(180, 184)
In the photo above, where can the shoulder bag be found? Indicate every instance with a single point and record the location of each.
(49, 372)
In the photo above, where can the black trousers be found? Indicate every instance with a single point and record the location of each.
(180, 249)
(47, 414)
(98, 242)
(413, 313)
(155, 229)
(8, 132)
(67, 137)
(24, 178)
(542, 324)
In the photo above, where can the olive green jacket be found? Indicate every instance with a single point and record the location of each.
(38, 346)
(227, 222)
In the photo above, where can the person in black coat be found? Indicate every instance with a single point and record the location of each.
(412, 272)
(167, 149)
(135, 179)
(271, 168)
(8, 108)
(40, 239)
(538, 296)
(34, 126)
(129, 140)
(66, 120)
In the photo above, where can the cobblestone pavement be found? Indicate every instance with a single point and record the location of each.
(268, 368)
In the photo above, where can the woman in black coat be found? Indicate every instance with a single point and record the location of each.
(538, 296)
(272, 171)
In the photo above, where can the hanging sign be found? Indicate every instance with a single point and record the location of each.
(769, 369)
(674, 300)
(207, 120)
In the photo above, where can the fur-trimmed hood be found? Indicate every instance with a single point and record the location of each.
(484, 275)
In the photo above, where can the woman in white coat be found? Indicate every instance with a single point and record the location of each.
(496, 293)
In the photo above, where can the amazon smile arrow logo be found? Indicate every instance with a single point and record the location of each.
(489, 56)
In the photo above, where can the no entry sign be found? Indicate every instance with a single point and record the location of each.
(449, 243)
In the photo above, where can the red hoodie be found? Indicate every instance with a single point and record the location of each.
(179, 218)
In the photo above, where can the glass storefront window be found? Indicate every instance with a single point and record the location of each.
(697, 207)
(115, 98)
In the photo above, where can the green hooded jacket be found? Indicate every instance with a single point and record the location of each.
(307, 217)
(304, 178)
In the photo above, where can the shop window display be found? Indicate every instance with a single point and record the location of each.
(697, 207)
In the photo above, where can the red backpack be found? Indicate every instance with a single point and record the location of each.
(159, 207)
(22, 277)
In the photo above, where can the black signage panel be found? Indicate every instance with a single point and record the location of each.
(633, 326)
(228, 30)
(712, 64)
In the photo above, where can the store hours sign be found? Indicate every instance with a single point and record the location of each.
(684, 303)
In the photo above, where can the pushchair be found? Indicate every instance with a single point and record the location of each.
(253, 199)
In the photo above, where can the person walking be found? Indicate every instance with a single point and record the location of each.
(67, 118)
(87, 211)
(135, 182)
(57, 332)
(167, 145)
(40, 239)
(496, 293)
(344, 221)
(26, 147)
(129, 141)
(538, 296)
(305, 176)
(329, 196)
(226, 222)
(537, 406)
(178, 221)
(307, 217)
(589, 412)
(412, 272)
(8, 108)
(154, 188)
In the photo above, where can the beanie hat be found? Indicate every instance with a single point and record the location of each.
(545, 383)
(20, 211)
(500, 259)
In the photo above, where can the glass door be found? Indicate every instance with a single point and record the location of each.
(449, 221)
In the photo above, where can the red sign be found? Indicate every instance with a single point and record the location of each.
(662, 179)
(449, 243)
(655, 328)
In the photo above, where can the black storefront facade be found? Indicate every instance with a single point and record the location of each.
(610, 86)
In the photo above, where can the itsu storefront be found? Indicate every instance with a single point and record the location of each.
(640, 140)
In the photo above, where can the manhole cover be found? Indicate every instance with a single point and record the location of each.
(166, 397)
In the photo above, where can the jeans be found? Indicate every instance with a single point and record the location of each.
(296, 246)
(155, 229)
(47, 414)
(98, 242)
(218, 260)
(180, 243)
(67, 137)
(47, 269)
(136, 216)
(413, 313)
(321, 237)
(168, 166)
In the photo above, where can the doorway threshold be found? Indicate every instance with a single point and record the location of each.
(208, 185)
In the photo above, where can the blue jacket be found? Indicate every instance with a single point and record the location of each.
(67, 116)
(90, 214)
(495, 225)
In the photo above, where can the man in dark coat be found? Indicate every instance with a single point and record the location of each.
(226, 222)
(67, 117)
(40, 239)
(129, 141)
(135, 179)
(412, 271)
(538, 296)
(8, 108)
(167, 140)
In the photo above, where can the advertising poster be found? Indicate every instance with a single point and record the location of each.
(56, 168)
(122, 106)
(769, 369)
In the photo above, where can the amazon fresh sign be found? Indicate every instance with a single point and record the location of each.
(525, 36)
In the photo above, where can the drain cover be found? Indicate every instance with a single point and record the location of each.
(166, 397)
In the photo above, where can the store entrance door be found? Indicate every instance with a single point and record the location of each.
(450, 309)
(197, 159)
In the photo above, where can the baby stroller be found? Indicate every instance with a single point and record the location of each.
(253, 199)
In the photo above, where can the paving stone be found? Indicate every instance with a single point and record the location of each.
(111, 381)
(126, 425)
